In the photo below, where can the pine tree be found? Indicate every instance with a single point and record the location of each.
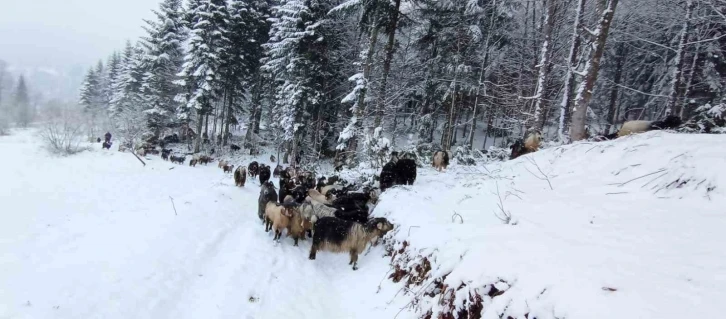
(21, 102)
(202, 70)
(127, 87)
(163, 61)
(90, 91)
(296, 57)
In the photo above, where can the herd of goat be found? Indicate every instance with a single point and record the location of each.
(331, 211)
(335, 213)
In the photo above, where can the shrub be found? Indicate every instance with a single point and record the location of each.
(63, 135)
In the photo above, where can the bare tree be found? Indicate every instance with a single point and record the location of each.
(677, 74)
(592, 67)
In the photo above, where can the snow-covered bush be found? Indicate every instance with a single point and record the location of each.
(464, 156)
(708, 119)
(63, 134)
(131, 125)
(378, 147)
(497, 154)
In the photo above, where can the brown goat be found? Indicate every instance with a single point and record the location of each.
(316, 196)
(222, 164)
(298, 226)
(240, 176)
(228, 168)
(277, 218)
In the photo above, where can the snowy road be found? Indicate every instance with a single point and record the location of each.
(95, 236)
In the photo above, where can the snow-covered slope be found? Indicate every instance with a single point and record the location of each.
(96, 236)
(632, 228)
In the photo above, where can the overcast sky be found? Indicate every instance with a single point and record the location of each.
(66, 33)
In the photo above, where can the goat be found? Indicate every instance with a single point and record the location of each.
(272, 158)
(530, 144)
(277, 171)
(253, 169)
(277, 218)
(267, 194)
(441, 160)
(222, 164)
(264, 173)
(355, 201)
(326, 189)
(234, 148)
(298, 226)
(240, 176)
(228, 168)
(193, 162)
(342, 236)
(315, 195)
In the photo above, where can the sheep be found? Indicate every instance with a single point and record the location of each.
(441, 160)
(315, 195)
(264, 173)
(253, 169)
(228, 168)
(277, 218)
(267, 194)
(240, 176)
(342, 236)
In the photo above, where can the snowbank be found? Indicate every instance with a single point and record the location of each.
(631, 228)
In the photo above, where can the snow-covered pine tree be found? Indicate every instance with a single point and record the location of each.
(89, 90)
(296, 57)
(163, 61)
(113, 69)
(202, 69)
(21, 102)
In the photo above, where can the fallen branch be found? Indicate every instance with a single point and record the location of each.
(639, 177)
(137, 157)
(506, 217)
(173, 206)
(544, 176)
(454, 216)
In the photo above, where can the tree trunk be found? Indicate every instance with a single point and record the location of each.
(677, 76)
(227, 117)
(615, 89)
(566, 104)
(544, 61)
(198, 138)
(584, 93)
(387, 64)
(360, 110)
(689, 82)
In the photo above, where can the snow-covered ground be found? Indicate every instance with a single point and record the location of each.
(96, 235)
(632, 228)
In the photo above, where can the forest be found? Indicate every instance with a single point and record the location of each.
(356, 79)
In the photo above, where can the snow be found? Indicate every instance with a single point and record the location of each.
(616, 217)
(96, 236)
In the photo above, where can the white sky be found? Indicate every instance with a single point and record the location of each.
(65, 33)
